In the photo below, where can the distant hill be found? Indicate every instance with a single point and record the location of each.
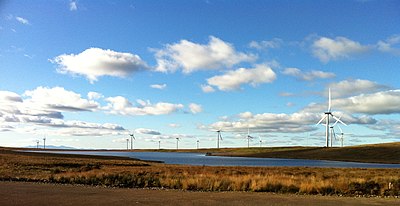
(377, 153)
(52, 147)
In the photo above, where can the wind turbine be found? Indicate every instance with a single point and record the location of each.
(326, 117)
(127, 143)
(198, 142)
(37, 144)
(341, 137)
(177, 142)
(132, 138)
(248, 137)
(219, 136)
(333, 133)
(159, 143)
(259, 137)
(44, 142)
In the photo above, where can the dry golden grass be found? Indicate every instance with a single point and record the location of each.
(133, 173)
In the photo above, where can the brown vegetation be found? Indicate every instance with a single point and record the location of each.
(69, 169)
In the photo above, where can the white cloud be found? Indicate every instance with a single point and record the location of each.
(353, 87)
(147, 131)
(308, 76)
(95, 62)
(269, 122)
(173, 125)
(389, 44)
(191, 57)
(207, 88)
(272, 44)
(58, 99)
(232, 80)
(326, 49)
(158, 86)
(73, 6)
(121, 105)
(195, 108)
(385, 102)
(94, 95)
(22, 20)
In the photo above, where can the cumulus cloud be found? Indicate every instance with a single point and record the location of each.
(389, 45)
(22, 20)
(95, 62)
(207, 88)
(308, 76)
(269, 122)
(327, 49)
(94, 95)
(353, 87)
(147, 131)
(73, 6)
(190, 57)
(385, 102)
(232, 80)
(58, 99)
(158, 86)
(272, 44)
(195, 108)
(121, 105)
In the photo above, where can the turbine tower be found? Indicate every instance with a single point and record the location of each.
(44, 142)
(177, 143)
(198, 142)
(159, 144)
(219, 136)
(127, 143)
(37, 144)
(132, 138)
(326, 117)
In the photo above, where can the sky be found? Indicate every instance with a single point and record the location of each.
(86, 74)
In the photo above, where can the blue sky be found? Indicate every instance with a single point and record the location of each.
(86, 74)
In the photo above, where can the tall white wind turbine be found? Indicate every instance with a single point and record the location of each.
(326, 117)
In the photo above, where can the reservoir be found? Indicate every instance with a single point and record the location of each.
(202, 159)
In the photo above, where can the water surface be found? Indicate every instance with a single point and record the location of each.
(202, 159)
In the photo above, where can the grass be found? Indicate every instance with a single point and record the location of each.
(119, 172)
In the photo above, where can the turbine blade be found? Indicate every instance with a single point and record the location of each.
(338, 119)
(321, 120)
(329, 100)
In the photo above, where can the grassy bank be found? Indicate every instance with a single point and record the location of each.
(373, 153)
(116, 172)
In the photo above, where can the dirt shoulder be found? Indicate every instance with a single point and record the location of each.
(19, 193)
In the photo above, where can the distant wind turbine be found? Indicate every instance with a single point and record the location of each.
(132, 138)
(197, 143)
(249, 137)
(260, 141)
(177, 143)
(326, 117)
(127, 143)
(37, 144)
(219, 137)
(44, 142)
(341, 137)
(159, 143)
